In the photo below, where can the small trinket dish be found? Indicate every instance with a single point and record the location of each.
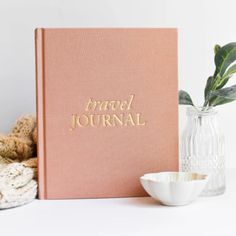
(174, 188)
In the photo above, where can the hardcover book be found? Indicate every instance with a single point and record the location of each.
(107, 108)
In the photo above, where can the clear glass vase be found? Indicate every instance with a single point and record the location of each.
(202, 148)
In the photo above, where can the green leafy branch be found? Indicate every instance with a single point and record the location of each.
(214, 92)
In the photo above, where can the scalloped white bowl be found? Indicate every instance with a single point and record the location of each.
(174, 188)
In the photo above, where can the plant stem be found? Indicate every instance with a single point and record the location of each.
(205, 103)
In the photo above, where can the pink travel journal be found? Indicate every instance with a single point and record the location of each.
(107, 108)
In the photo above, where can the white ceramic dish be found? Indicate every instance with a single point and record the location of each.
(174, 188)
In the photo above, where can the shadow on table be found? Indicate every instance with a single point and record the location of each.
(144, 202)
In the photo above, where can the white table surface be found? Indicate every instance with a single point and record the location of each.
(124, 216)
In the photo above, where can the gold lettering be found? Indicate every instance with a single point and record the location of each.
(104, 105)
(82, 121)
(106, 120)
(129, 120)
(118, 119)
(91, 105)
(91, 120)
(114, 105)
(139, 120)
(73, 123)
(77, 121)
(130, 102)
(123, 105)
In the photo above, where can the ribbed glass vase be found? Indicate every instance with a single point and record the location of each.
(202, 148)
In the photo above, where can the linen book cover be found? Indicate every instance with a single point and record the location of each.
(107, 108)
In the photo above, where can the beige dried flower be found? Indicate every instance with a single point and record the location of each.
(24, 127)
(35, 135)
(15, 148)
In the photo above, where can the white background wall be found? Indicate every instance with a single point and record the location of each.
(201, 24)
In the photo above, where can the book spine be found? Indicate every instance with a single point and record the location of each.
(39, 52)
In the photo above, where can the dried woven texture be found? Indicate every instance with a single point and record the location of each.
(14, 175)
(5, 160)
(24, 127)
(35, 135)
(17, 186)
(18, 197)
(18, 166)
(16, 148)
(20, 144)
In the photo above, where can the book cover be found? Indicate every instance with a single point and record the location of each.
(107, 110)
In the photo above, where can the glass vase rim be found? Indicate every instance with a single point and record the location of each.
(201, 111)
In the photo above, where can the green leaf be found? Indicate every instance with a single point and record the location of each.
(220, 101)
(208, 87)
(184, 98)
(216, 48)
(221, 82)
(224, 57)
(223, 96)
(231, 70)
